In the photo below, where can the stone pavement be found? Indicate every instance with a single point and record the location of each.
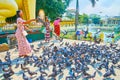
(14, 55)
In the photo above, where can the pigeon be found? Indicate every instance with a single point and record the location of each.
(36, 50)
(51, 45)
(31, 73)
(91, 76)
(16, 48)
(7, 58)
(37, 64)
(26, 60)
(61, 75)
(42, 72)
(55, 49)
(71, 72)
(107, 74)
(8, 73)
(24, 68)
(99, 73)
(70, 78)
(41, 43)
(112, 70)
(25, 77)
(66, 44)
(8, 53)
(54, 74)
(5, 63)
(35, 58)
(0, 62)
(17, 65)
(100, 66)
(108, 78)
(41, 77)
(118, 66)
(32, 46)
(60, 39)
(85, 73)
(61, 43)
(8, 68)
(114, 61)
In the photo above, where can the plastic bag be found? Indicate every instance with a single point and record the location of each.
(25, 33)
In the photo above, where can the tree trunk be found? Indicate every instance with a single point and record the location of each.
(76, 16)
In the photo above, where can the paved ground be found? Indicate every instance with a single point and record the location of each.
(14, 55)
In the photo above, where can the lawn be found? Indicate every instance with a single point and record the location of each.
(71, 35)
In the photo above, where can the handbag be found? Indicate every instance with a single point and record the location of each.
(25, 33)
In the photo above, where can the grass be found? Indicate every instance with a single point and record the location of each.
(71, 35)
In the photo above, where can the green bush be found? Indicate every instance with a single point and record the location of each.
(117, 29)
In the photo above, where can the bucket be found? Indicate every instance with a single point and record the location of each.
(30, 40)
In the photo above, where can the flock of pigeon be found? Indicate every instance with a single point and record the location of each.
(76, 58)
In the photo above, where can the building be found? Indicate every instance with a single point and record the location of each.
(115, 20)
(69, 14)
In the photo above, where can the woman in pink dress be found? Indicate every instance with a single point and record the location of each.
(23, 44)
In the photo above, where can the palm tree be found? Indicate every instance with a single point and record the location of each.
(76, 14)
(77, 11)
(93, 2)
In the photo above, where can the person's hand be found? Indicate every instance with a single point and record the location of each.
(30, 30)
(37, 19)
(33, 19)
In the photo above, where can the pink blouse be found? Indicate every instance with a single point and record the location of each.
(56, 22)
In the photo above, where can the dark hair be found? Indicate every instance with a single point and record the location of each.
(46, 18)
(17, 13)
(58, 18)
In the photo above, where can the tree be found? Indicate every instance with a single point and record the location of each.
(70, 13)
(76, 15)
(77, 11)
(84, 19)
(93, 2)
(52, 8)
(95, 18)
(11, 19)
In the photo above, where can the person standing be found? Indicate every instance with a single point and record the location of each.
(78, 34)
(47, 25)
(86, 32)
(57, 26)
(23, 44)
(81, 34)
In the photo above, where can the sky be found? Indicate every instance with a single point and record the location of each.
(102, 7)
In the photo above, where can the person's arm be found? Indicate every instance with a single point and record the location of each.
(27, 22)
(40, 20)
(28, 28)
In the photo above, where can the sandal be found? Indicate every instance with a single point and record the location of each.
(20, 55)
(26, 55)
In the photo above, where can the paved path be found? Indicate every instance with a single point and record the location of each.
(14, 54)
